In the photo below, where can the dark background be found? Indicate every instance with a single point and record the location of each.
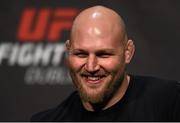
(154, 25)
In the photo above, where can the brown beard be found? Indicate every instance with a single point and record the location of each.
(99, 98)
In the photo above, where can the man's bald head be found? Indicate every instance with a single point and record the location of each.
(99, 21)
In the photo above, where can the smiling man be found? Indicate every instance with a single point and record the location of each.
(98, 52)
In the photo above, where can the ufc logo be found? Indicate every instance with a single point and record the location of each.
(44, 24)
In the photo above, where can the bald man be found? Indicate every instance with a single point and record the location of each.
(98, 52)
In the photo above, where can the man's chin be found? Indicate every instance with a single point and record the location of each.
(92, 92)
(92, 99)
(92, 95)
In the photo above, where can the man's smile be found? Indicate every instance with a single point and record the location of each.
(93, 79)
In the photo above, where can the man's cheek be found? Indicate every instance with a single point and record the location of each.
(72, 62)
(110, 66)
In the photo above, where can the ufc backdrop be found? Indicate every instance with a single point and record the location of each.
(33, 71)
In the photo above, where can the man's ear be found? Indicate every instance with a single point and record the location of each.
(129, 51)
(67, 45)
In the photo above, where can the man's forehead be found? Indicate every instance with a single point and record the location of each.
(88, 44)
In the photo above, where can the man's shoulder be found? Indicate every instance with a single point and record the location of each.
(54, 113)
(156, 86)
(155, 81)
(158, 97)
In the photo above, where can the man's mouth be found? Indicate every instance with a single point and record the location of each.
(93, 79)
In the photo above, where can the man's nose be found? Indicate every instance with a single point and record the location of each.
(92, 64)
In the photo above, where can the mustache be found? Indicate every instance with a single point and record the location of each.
(97, 73)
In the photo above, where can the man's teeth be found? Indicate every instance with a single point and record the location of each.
(93, 78)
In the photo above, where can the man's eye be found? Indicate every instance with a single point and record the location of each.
(104, 55)
(81, 55)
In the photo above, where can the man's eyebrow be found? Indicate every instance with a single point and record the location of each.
(106, 50)
(101, 50)
(78, 50)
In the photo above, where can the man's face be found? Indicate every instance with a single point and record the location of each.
(96, 63)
